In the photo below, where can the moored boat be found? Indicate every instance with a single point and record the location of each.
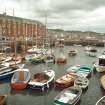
(69, 96)
(20, 79)
(101, 101)
(102, 81)
(3, 99)
(72, 52)
(84, 71)
(81, 82)
(42, 80)
(80, 70)
(49, 59)
(65, 81)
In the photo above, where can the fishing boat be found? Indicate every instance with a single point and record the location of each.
(81, 82)
(101, 101)
(42, 80)
(20, 79)
(72, 52)
(99, 65)
(102, 81)
(65, 81)
(69, 96)
(3, 99)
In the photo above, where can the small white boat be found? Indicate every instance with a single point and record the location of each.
(101, 101)
(81, 82)
(72, 52)
(42, 80)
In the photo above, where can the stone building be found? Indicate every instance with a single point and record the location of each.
(20, 29)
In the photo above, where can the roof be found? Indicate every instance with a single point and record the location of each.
(102, 57)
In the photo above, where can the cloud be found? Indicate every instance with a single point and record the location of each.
(66, 14)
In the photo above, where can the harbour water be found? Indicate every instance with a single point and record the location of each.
(27, 97)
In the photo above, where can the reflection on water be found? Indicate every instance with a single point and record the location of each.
(35, 97)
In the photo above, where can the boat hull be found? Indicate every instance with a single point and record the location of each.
(18, 86)
(50, 74)
(64, 61)
(7, 75)
(43, 87)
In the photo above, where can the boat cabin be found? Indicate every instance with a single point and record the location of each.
(102, 60)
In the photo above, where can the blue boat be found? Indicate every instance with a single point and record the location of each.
(80, 70)
(7, 73)
(84, 70)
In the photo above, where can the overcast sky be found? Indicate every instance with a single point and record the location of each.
(83, 15)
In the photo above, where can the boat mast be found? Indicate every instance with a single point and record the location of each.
(15, 42)
(36, 33)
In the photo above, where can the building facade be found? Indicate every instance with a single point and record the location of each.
(19, 29)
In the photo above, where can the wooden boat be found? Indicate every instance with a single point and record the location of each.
(42, 80)
(72, 53)
(81, 82)
(3, 99)
(20, 79)
(69, 96)
(65, 81)
(102, 81)
(101, 101)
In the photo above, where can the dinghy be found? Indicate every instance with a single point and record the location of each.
(42, 80)
(81, 82)
(72, 52)
(65, 81)
(20, 79)
(69, 96)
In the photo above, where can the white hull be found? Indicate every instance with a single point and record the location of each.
(99, 68)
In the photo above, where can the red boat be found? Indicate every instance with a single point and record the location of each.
(61, 61)
(65, 81)
(20, 79)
